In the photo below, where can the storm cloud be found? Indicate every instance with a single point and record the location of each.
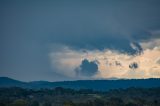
(87, 68)
(33, 33)
(85, 24)
(107, 25)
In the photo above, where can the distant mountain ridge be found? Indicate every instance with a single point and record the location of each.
(7, 82)
(83, 84)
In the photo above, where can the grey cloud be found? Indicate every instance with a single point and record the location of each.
(107, 25)
(137, 48)
(133, 65)
(85, 24)
(100, 42)
(87, 68)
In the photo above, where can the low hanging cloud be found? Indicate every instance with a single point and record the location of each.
(87, 68)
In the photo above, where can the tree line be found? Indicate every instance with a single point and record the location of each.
(59, 96)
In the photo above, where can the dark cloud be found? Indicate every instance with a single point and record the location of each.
(104, 42)
(87, 68)
(133, 65)
(28, 29)
(138, 49)
(84, 24)
(107, 25)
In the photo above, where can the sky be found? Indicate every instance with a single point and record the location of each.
(59, 40)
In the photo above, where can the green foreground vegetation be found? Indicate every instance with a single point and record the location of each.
(84, 97)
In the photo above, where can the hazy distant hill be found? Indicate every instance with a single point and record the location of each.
(8, 82)
(84, 84)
